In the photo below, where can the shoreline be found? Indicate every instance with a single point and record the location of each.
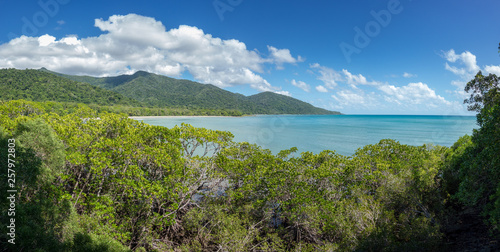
(179, 117)
(207, 116)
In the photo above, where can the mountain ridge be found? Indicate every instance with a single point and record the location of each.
(162, 91)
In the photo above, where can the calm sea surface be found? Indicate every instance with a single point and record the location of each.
(342, 133)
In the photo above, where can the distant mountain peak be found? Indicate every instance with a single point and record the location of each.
(162, 91)
(142, 73)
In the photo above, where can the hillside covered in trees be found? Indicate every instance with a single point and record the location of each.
(42, 86)
(161, 91)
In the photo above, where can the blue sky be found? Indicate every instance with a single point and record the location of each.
(357, 57)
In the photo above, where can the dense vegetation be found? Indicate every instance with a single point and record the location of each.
(98, 181)
(41, 86)
(161, 91)
(116, 183)
(473, 169)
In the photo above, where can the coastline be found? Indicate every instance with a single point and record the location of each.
(178, 117)
(207, 116)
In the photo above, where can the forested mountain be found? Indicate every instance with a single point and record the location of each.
(37, 85)
(161, 91)
(143, 89)
(281, 104)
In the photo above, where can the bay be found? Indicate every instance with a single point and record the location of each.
(342, 133)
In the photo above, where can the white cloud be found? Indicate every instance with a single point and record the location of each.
(283, 93)
(355, 100)
(359, 79)
(450, 55)
(467, 61)
(46, 40)
(348, 98)
(302, 85)
(413, 94)
(281, 56)
(415, 98)
(493, 70)
(409, 75)
(327, 75)
(459, 84)
(321, 89)
(465, 67)
(332, 78)
(133, 42)
(456, 70)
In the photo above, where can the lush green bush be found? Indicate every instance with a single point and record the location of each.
(385, 195)
(473, 163)
(91, 181)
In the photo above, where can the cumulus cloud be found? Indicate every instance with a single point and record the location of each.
(353, 93)
(467, 63)
(465, 67)
(282, 56)
(413, 94)
(348, 97)
(132, 42)
(493, 70)
(359, 79)
(412, 98)
(283, 93)
(331, 78)
(321, 89)
(302, 85)
(355, 99)
(328, 76)
(467, 58)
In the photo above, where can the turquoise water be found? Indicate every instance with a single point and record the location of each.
(342, 133)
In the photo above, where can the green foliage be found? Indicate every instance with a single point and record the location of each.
(95, 243)
(99, 181)
(170, 111)
(127, 181)
(458, 157)
(123, 173)
(473, 172)
(385, 195)
(38, 136)
(41, 206)
(484, 94)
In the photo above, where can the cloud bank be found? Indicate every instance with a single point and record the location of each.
(351, 91)
(132, 42)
